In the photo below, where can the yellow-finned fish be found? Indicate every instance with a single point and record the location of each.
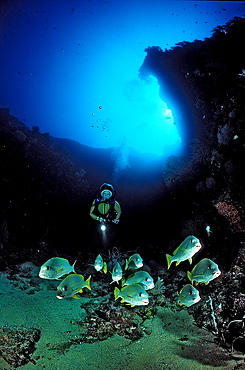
(99, 264)
(185, 251)
(56, 267)
(140, 277)
(205, 271)
(72, 285)
(134, 262)
(116, 272)
(188, 296)
(134, 295)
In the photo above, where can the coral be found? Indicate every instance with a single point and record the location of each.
(158, 293)
(225, 134)
(230, 212)
(108, 320)
(115, 255)
(17, 344)
(158, 288)
(210, 182)
(201, 152)
(213, 316)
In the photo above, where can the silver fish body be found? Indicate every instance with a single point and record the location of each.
(188, 295)
(117, 272)
(134, 295)
(141, 277)
(72, 285)
(98, 263)
(186, 250)
(55, 267)
(205, 271)
(135, 262)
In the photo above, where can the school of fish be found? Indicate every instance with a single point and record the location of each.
(132, 286)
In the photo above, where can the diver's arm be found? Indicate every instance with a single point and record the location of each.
(117, 208)
(92, 210)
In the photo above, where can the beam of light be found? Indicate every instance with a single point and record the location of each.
(71, 60)
(136, 118)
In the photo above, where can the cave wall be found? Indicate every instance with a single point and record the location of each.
(207, 80)
(47, 186)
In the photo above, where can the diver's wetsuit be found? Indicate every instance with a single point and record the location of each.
(108, 209)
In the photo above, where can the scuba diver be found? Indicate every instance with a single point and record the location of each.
(104, 207)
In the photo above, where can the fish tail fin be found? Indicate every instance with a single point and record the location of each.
(105, 267)
(88, 282)
(189, 275)
(73, 267)
(116, 293)
(168, 260)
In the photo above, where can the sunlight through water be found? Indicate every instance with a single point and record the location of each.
(139, 118)
(74, 68)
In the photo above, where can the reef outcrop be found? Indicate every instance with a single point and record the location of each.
(206, 79)
(17, 345)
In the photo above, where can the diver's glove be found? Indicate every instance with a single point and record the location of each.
(101, 219)
(115, 221)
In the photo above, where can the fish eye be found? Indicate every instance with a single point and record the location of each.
(48, 268)
(65, 288)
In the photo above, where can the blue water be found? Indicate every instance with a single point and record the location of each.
(71, 67)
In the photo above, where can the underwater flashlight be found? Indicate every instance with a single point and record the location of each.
(103, 227)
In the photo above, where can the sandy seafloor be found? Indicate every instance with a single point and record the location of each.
(22, 305)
